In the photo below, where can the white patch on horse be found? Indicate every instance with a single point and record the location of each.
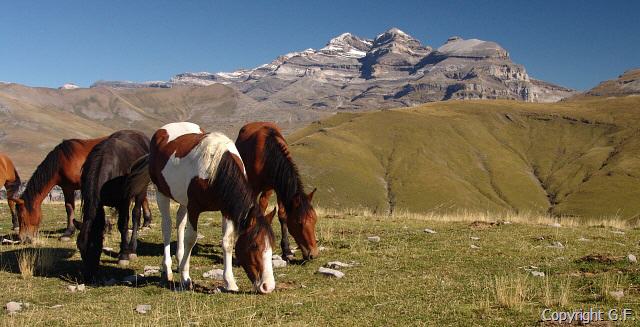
(178, 173)
(210, 151)
(175, 130)
(267, 269)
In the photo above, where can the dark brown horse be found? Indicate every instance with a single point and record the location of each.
(11, 181)
(60, 167)
(104, 176)
(270, 167)
(204, 172)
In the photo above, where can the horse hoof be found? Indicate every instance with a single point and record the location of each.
(65, 238)
(229, 290)
(133, 256)
(123, 262)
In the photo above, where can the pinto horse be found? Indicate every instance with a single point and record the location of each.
(104, 176)
(60, 167)
(204, 172)
(10, 179)
(270, 167)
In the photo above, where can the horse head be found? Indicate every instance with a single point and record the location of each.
(301, 223)
(29, 218)
(254, 250)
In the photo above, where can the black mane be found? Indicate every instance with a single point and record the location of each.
(232, 188)
(283, 174)
(46, 170)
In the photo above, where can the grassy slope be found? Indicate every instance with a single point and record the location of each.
(577, 158)
(408, 278)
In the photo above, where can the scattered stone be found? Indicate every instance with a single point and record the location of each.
(556, 224)
(199, 237)
(618, 232)
(338, 265)
(474, 238)
(150, 270)
(374, 239)
(536, 273)
(277, 261)
(617, 295)
(582, 239)
(217, 274)
(56, 306)
(540, 238)
(321, 248)
(143, 308)
(107, 249)
(556, 245)
(632, 258)
(13, 307)
(429, 231)
(506, 222)
(298, 303)
(330, 272)
(473, 246)
(7, 241)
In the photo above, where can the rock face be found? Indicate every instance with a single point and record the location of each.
(392, 70)
(626, 84)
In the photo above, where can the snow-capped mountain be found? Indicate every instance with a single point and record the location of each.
(393, 69)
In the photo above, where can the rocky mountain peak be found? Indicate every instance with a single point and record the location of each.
(394, 35)
(472, 48)
(68, 86)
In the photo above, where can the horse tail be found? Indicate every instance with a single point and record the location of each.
(138, 179)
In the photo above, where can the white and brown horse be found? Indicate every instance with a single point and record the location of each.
(204, 172)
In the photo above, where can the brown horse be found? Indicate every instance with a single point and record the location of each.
(204, 172)
(11, 181)
(270, 167)
(62, 166)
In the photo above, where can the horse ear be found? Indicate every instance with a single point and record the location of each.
(310, 196)
(270, 215)
(77, 224)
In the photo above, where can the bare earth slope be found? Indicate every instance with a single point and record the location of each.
(34, 120)
(577, 158)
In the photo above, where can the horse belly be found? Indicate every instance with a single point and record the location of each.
(178, 173)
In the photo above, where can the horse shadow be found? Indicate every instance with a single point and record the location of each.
(157, 250)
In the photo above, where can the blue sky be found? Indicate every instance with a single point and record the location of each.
(47, 43)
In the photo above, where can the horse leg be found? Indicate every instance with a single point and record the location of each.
(228, 242)
(181, 221)
(14, 216)
(165, 212)
(123, 227)
(146, 213)
(70, 206)
(190, 240)
(263, 201)
(287, 254)
(135, 220)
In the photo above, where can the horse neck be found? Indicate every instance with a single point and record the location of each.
(286, 181)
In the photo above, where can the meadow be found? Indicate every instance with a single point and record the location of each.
(475, 270)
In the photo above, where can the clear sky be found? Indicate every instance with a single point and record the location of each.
(48, 43)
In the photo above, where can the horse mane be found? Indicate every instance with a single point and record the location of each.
(46, 170)
(232, 188)
(211, 149)
(283, 172)
(92, 181)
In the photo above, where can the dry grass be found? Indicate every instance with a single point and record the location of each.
(34, 261)
(512, 291)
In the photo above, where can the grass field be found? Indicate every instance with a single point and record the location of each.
(571, 158)
(410, 277)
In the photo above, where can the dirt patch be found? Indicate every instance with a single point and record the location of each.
(283, 286)
(482, 225)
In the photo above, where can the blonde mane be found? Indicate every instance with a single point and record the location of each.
(209, 153)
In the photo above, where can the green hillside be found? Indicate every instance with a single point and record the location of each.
(577, 158)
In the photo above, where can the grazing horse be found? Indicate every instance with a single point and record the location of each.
(204, 172)
(270, 167)
(104, 176)
(11, 181)
(60, 167)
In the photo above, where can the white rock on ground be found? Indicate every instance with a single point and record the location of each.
(321, 248)
(555, 225)
(150, 270)
(556, 245)
(337, 265)
(373, 239)
(143, 308)
(217, 274)
(76, 288)
(13, 307)
(632, 258)
(330, 272)
(474, 238)
(199, 237)
(7, 241)
(278, 262)
(429, 231)
(473, 246)
(582, 239)
(617, 295)
(535, 273)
